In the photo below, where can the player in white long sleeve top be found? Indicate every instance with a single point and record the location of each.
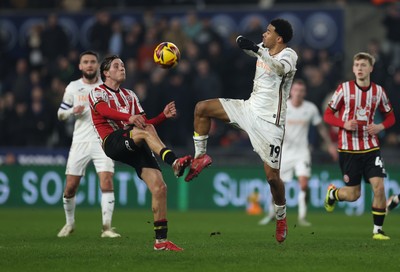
(85, 147)
(262, 116)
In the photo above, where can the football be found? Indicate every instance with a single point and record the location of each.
(167, 55)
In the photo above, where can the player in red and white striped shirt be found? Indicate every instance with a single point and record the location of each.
(129, 137)
(356, 103)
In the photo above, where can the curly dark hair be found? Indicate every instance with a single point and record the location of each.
(283, 28)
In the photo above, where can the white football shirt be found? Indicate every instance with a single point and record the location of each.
(298, 121)
(77, 93)
(271, 89)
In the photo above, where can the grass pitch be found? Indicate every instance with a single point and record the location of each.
(335, 242)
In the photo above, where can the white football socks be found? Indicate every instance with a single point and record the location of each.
(107, 208)
(376, 228)
(302, 204)
(69, 208)
(280, 212)
(200, 145)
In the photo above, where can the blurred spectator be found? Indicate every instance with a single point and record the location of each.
(41, 120)
(56, 41)
(65, 71)
(19, 82)
(393, 93)
(217, 60)
(318, 88)
(330, 66)
(206, 84)
(72, 5)
(192, 53)
(206, 36)
(175, 34)
(154, 88)
(132, 73)
(379, 74)
(392, 24)
(307, 57)
(34, 44)
(73, 59)
(6, 111)
(149, 19)
(175, 89)
(62, 134)
(35, 78)
(117, 39)
(241, 71)
(132, 41)
(254, 29)
(18, 123)
(146, 50)
(100, 33)
(192, 26)
(147, 101)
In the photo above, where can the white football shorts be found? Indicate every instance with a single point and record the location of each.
(265, 137)
(295, 163)
(82, 153)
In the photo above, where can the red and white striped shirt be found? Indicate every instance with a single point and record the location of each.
(353, 103)
(123, 100)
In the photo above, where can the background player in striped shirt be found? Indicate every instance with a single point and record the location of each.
(129, 137)
(356, 103)
(85, 147)
(262, 116)
(296, 155)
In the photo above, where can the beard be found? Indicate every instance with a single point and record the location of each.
(90, 75)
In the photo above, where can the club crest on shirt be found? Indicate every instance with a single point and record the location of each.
(362, 115)
(97, 96)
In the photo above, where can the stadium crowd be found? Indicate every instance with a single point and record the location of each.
(211, 66)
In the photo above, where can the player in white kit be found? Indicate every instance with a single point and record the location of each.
(85, 147)
(262, 116)
(296, 157)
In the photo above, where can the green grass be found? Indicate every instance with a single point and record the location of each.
(335, 242)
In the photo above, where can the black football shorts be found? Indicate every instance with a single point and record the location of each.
(120, 147)
(356, 166)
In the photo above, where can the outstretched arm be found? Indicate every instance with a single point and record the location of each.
(278, 67)
(168, 112)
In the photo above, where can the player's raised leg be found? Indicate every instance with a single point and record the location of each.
(204, 111)
(150, 136)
